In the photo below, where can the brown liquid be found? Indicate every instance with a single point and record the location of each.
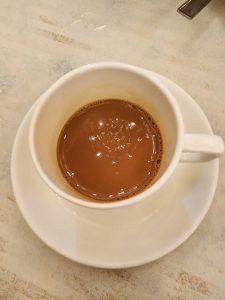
(110, 150)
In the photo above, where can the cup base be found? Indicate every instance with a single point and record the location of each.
(142, 232)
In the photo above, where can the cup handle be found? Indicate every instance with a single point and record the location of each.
(201, 147)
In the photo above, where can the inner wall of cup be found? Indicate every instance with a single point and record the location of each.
(83, 88)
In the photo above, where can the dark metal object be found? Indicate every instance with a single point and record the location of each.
(191, 8)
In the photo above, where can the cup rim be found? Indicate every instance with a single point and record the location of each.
(120, 203)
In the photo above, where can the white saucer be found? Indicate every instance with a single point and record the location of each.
(123, 237)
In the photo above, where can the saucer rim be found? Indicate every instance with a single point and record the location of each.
(131, 263)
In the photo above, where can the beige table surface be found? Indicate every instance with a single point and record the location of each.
(40, 40)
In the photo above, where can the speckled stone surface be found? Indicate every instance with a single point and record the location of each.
(42, 40)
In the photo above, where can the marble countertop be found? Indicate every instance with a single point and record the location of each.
(42, 40)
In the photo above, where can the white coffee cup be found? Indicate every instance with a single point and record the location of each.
(115, 81)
